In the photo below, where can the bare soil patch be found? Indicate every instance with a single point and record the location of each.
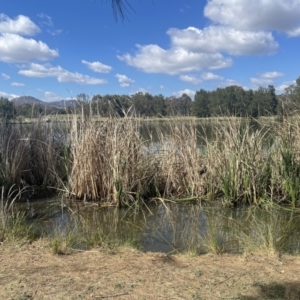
(32, 272)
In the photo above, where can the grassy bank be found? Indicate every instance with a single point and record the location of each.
(127, 274)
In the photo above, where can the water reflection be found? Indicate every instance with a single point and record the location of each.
(172, 228)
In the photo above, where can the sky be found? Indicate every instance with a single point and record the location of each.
(57, 49)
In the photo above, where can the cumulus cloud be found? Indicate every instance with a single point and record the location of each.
(238, 28)
(267, 15)
(17, 84)
(15, 48)
(223, 39)
(154, 59)
(266, 78)
(193, 49)
(97, 66)
(62, 75)
(140, 90)
(229, 82)
(190, 79)
(280, 89)
(271, 75)
(8, 96)
(124, 80)
(51, 96)
(211, 76)
(5, 76)
(294, 33)
(189, 92)
(206, 76)
(22, 25)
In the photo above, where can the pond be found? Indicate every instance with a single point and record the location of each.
(242, 167)
(172, 228)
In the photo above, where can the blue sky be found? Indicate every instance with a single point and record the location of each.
(56, 49)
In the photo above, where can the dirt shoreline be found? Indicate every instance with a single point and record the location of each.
(32, 272)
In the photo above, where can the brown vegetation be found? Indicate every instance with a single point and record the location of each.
(111, 162)
(31, 272)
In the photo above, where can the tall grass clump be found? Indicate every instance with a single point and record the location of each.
(181, 165)
(240, 163)
(31, 154)
(273, 230)
(108, 163)
(286, 149)
(13, 223)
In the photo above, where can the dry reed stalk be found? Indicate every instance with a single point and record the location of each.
(181, 162)
(108, 161)
(240, 163)
(30, 155)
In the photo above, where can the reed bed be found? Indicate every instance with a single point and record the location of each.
(111, 162)
(108, 163)
(31, 154)
(182, 167)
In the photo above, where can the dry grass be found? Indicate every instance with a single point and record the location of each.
(111, 162)
(31, 154)
(108, 162)
(180, 161)
(31, 272)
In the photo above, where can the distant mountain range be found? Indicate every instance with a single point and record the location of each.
(31, 100)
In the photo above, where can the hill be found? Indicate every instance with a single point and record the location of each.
(31, 100)
(28, 100)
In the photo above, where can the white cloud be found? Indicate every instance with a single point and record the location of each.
(190, 79)
(62, 75)
(229, 82)
(193, 49)
(124, 80)
(223, 39)
(17, 84)
(161, 87)
(97, 66)
(22, 25)
(238, 28)
(55, 32)
(283, 16)
(189, 92)
(271, 75)
(47, 21)
(9, 96)
(280, 89)
(51, 96)
(259, 81)
(266, 78)
(211, 76)
(154, 59)
(295, 32)
(140, 90)
(14, 48)
(5, 76)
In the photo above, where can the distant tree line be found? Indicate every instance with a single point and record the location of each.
(142, 104)
(228, 101)
(235, 101)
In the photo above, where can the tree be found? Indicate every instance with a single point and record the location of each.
(120, 7)
(201, 104)
(7, 109)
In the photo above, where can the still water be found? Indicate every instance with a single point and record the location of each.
(176, 228)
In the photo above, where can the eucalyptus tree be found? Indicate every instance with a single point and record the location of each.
(120, 7)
